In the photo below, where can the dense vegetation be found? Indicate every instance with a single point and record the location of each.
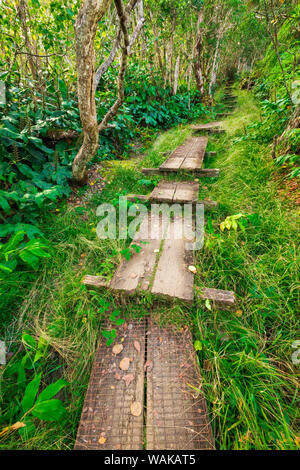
(175, 73)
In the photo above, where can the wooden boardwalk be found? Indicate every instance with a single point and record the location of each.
(188, 157)
(146, 391)
(213, 127)
(118, 415)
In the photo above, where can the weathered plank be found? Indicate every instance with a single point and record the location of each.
(136, 272)
(205, 172)
(172, 163)
(172, 277)
(106, 421)
(208, 204)
(95, 282)
(194, 147)
(186, 192)
(188, 156)
(210, 154)
(207, 126)
(222, 299)
(177, 416)
(163, 192)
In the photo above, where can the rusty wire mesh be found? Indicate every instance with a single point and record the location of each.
(163, 377)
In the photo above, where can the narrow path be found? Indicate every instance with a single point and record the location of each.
(145, 392)
(170, 412)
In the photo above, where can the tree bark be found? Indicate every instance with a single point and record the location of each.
(30, 43)
(176, 75)
(198, 52)
(107, 63)
(85, 30)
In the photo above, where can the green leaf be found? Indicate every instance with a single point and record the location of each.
(4, 204)
(198, 345)
(41, 349)
(50, 410)
(119, 321)
(28, 340)
(51, 390)
(30, 393)
(29, 258)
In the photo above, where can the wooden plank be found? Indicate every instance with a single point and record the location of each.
(205, 172)
(173, 163)
(186, 192)
(106, 421)
(172, 277)
(194, 147)
(163, 192)
(210, 154)
(177, 417)
(208, 172)
(222, 299)
(191, 164)
(95, 282)
(136, 272)
(207, 126)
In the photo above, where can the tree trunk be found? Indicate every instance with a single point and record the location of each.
(85, 30)
(176, 75)
(198, 54)
(31, 46)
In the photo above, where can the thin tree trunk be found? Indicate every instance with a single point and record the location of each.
(85, 30)
(176, 75)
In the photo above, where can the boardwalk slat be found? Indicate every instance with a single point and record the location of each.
(186, 192)
(106, 420)
(173, 163)
(163, 192)
(172, 277)
(136, 272)
(177, 416)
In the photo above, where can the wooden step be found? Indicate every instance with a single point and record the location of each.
(207, 126)
(173, 415)
(188, 156)
(208, 203)
(201, 172)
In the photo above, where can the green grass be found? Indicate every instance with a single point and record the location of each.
(248, 376)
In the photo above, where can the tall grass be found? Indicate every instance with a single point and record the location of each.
(249, 379)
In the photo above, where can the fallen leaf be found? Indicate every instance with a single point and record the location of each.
(192, 269)
(117, 376)
(102, 440)
(137, 346)
(206, 364)
(128, 378)
(125, 363)
(148, 365)
(239, 313)
(117, 349)
(136, 408)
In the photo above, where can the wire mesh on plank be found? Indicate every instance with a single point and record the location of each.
(107, 421)
(177, 416)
